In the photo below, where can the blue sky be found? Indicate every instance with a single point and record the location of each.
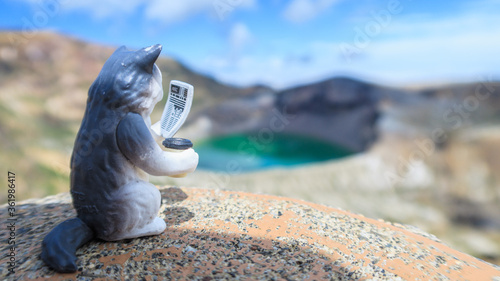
(285, 43)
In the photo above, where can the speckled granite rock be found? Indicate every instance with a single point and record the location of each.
(214, 235)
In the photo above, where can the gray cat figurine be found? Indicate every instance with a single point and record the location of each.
(114, 152)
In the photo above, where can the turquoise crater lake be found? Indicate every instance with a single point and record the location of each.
(249, 152)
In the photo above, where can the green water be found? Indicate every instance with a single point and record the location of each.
(249, 152)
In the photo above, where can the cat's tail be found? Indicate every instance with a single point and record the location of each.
(60, 245)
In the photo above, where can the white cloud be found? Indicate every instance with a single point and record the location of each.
(239, 36)
(411, 50)
(303, 10)
(273, 70)
(175, 11)
(165, 11)
(170, 11)
(424, 49)
(102, 9)
(460, 56)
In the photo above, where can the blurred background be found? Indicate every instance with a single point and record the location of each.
(388, 108)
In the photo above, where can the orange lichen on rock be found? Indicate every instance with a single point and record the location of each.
(215, 234)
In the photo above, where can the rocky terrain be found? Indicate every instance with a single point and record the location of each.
(426, 156)
(226, 235)
(340, 110)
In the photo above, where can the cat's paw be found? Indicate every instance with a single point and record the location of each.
(190, 160)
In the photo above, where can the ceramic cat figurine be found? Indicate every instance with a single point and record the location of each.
(114, 152)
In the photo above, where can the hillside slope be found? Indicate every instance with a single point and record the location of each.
(43, 91)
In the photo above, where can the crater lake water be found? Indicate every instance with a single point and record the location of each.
(249, 152)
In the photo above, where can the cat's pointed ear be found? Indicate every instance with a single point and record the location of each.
(147, 56)
(121, 49)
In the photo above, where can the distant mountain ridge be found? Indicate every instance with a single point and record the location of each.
(339, 110)
(346, 111)
(44, 82)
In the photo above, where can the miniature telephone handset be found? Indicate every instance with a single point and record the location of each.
(180, 97)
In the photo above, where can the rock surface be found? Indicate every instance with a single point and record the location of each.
(214, 235)
(341, 111)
